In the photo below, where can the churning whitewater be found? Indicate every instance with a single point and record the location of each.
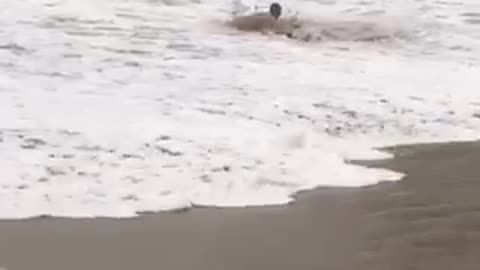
(118, 107)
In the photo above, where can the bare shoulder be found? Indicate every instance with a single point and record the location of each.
(254, 22)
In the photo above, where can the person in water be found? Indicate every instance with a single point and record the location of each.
(275, 10)
(264, 22)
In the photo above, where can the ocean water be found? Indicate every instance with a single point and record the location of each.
(119, 107)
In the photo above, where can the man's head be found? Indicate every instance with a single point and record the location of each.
(275, 10)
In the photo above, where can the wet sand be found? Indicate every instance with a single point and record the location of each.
(430, 220)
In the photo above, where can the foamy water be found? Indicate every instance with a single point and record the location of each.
(118, 107)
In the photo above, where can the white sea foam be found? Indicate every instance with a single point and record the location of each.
(115, 107)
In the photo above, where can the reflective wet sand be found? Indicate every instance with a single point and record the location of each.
(430, 220)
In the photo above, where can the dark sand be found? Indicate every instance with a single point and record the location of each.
(428, 221)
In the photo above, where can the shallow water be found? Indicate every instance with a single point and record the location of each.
(429, 220)
(114, 107)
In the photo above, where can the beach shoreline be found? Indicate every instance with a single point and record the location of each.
(428, 220)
